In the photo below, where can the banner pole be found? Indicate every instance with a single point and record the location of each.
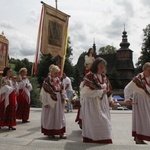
(56, 3)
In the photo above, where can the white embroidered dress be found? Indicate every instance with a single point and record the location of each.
(140, 109)
(95, 114)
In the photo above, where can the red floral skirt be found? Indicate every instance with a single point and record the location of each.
(9, 118)
(23, 108)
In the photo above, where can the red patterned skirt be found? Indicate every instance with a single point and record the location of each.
(53, 131)
(2, 110)
(8, 115)
(23, 108)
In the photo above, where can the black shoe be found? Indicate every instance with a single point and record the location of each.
(25, 121)
(51, 136)
(63, 136)
(140, 141)
(12, 128)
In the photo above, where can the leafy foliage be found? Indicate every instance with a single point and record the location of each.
(35, 93)
(43, 67)
(114, 79)
(68, 67)
(17, 64)
(77, 79)
(145, 53)
(107, 50)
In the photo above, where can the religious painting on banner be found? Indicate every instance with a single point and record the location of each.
(54, 31)
(3, 52)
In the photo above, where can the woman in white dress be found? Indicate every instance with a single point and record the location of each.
(53, 97)
(96, 99)
(8, 100)
(89, 58)
(139, 89)
(23, 97)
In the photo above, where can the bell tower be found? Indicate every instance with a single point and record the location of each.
(124, 63)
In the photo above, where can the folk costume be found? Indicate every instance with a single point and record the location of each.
(139, 89)
(23, 99)
(52, 118)
(95, 114)
(8, 103)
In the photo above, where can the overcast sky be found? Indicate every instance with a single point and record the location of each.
(102, 20)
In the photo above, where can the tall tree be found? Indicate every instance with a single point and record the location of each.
(43, 67)
(18, 64)
(107, 50)
(68, 67)
(114, 79)
(145, 53)
(77, 78)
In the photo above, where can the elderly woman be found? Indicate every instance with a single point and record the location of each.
(8, 100)
(53, 97)
(96, 100)
(139, 89)
(23, 97)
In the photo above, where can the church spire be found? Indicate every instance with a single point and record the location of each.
(94, 47)
(124, 44)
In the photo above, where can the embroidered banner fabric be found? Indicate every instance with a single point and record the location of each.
(54, 31)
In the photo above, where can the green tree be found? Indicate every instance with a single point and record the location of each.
(17, 64)
(43, 67)
(22, 63)
(35, 93)
(145, 53)
(68, 66)
(114, 79)
(107, 50)
(80, 64)
(77, 78)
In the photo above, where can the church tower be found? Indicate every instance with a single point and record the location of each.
(94, 47)
(124, 63)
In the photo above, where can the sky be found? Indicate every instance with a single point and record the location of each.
(101, 21)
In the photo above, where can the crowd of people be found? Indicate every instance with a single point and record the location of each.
(95, 98)
(14, 98)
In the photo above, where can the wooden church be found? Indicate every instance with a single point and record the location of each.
(121, 61)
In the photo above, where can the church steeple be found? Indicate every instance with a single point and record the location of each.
(124, 44)
(124, 62)
(94, 47)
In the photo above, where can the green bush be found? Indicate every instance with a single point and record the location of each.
(35, 93)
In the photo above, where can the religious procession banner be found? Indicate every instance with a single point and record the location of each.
(3, 52)
(52, 36)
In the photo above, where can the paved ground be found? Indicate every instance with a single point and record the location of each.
(28, 136)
